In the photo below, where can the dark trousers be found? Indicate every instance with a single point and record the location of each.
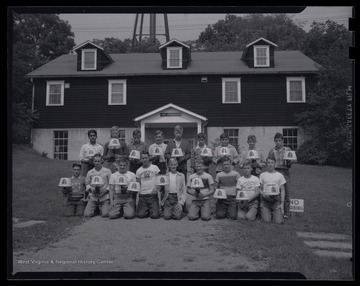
(148, 205)
(226, 208)
(74, 208)
(169, 208)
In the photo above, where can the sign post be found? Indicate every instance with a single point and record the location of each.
(297, 206)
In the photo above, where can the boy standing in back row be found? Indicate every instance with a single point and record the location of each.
(184, 145)
(87, 162)
(282, 166)
(218, 158)
(256, 164)
(158, 160)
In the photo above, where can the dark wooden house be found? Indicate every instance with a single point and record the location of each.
(255, 91)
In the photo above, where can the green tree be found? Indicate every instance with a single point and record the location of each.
(113, 45)
(37, 39)
(325, 118)
(234, 33)
(146, 46)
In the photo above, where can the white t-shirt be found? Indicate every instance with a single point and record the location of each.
(147, 178)
(97, 148)
(272, 178)
(152, 149)
(172, 183)
(114, 178)
(248, 184)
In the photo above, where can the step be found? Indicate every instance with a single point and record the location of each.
(323, 235)
(328, 244)
(335, 254)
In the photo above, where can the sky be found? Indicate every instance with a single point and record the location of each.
(181, 26)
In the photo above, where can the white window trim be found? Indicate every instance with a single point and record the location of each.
(48, 83)
(83, 59)
(112, 81)
(238, 80)
(168, 57)
(267, 55)
(302, 79)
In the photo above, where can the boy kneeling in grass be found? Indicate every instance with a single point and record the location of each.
(201, 203)
(175, 192)
(227, 180)
(272, 204)
(250, 184)
(121, 202)
(74, 201)
(98, 196)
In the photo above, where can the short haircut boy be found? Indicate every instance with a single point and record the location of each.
(92, 131)
(226, 159)
(278, 135)
(136, 132)
(224, 135)
(76, 165)
(172, 159)
(145, 152)
(247, 163)
(201, 135)
(179, 127)
(97, 155)
(114, 128)
(270, 158)
(251, 137)
(122, 159)
(199, 161)
(158, 132)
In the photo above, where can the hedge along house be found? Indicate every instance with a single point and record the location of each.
(256, 91)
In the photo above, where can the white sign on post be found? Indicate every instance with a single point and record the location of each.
(296, 205)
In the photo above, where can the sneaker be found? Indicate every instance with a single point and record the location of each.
(286, 216)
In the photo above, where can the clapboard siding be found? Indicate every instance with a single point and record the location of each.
(263, 100)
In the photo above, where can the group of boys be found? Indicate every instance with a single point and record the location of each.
(113, 200)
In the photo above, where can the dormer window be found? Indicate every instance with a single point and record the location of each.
(261, 56)
(174, 57)
(89, 59)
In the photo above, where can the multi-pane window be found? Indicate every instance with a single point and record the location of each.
(291, 138)
(54, 93)
(261, 56)
(295, 89)
(88, 59)
(117, 92)
(61, 145)
(122, 135)
(174, 57)
(231, 90)
(233, 137)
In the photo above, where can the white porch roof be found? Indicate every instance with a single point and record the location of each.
(172, 107)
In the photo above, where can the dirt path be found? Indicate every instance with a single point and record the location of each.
(138, 245)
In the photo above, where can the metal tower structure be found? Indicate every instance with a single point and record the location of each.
(152, 30)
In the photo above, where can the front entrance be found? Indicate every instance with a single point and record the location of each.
(165, 119)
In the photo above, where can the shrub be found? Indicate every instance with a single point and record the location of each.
(310, 152)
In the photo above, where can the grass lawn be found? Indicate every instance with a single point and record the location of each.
(36, 196)
(326, 191)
